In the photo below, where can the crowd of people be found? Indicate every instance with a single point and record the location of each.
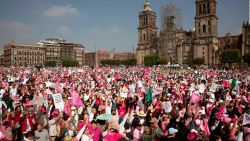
(125, 103)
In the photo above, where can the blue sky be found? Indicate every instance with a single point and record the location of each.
(105, 24)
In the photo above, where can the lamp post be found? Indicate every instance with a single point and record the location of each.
(208, 50)
(181, 47)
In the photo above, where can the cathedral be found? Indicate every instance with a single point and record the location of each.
(147, 34)
(175, 44)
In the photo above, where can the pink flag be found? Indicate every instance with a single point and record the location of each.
(195, 98)
(75, 99)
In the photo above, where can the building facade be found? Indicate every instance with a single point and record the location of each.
(94, 58)
(59, 50)
(48, 50)
(147, 33)
(124, 56)
(245, 38)
(179, 46)
(206, 38)
(1, 59)
(23, 55)
(91, 59)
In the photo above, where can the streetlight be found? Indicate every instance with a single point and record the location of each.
(208, 50)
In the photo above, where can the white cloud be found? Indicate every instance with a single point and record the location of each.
(59, 11)
(114, 30)
(63, 30)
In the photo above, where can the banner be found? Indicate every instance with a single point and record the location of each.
(58, 101)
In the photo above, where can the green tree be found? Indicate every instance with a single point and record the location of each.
(199, 61)
(69, 63)
(162, 61)
(151, 60)
(50, 63)
(189, 61)
(246, 58)
(230, 56)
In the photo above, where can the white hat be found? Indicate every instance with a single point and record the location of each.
(172, 130)
(73, 108)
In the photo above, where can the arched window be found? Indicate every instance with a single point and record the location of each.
(200, 10)
(204, 28)
(204, 9)
(144, 37)
(208, 8)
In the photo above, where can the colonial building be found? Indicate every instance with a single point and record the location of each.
(175, 43)
(124, 56)
(1, 59)
(245, 38)
(91, 59)
(48, 50)
(230, 42)
(59, 50)
(206, 38)
(94, 58)
(147, 33)
(23, 55)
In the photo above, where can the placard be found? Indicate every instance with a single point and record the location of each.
(213, 87)
(58, 101)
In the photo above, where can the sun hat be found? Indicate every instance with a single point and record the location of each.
(141, 113)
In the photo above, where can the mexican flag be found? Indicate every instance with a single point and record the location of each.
(149, 95)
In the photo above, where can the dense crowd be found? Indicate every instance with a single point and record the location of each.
(125, 103)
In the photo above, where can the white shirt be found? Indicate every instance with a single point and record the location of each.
(86, 138)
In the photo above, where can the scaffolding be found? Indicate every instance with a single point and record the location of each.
(170, 15)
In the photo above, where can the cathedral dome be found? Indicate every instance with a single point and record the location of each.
(147, 6)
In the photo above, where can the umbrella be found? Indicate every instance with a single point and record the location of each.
(105, 116)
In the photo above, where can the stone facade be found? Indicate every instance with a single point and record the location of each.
(93, 59)
(23, 55)
(147, 34)
(48, 50)
(177, 45)
(206, 38)
(124, 56)
(59, 50)
(245, 38)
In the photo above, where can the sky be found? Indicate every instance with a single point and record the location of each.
(100, 24)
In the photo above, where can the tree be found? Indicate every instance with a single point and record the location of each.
(230, 56)
(162, 61)
(151, 60)
(246, 58)
(199, 61)
(69, 63)
(50, 63)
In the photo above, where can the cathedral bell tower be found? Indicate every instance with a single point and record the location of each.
(206, 38)
(147, 32)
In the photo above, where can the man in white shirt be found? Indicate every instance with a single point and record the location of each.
(41, 134)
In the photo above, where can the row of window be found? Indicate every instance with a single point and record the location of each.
(147, 21)
(204, 9)
(27, 53)
(28, 58)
